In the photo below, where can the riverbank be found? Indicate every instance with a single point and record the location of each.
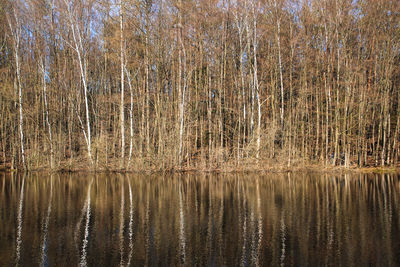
(245, 166)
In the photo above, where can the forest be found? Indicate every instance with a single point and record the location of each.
(199, 84)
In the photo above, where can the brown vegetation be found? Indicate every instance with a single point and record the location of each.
(182, 84)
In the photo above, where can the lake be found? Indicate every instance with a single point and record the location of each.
(293, 219)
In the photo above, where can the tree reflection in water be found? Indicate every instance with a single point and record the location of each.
(221, 220)
(19, 223)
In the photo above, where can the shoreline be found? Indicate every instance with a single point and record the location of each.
(314, 168)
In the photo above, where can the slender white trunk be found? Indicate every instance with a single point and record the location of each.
(242, 78)
(337, 151)
(181, 91)
(255, 83)
(248, 46)
(258, 126)
(130, 116)
(239, 25)
(122, 117)
(82, 66)
(43, 70)
(181, 126)
(280, 70)
(21, 122)
(278, 39)
(16, 32)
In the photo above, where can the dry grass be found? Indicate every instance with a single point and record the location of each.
(220, 161)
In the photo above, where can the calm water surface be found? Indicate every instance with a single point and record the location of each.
(215, 220)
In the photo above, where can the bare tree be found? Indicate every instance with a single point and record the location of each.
(16, 32)
(78, 46)
(121, 111)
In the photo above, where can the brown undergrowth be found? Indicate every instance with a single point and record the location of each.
(245, 165)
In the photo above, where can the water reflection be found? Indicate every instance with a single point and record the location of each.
(219, 220)
(19, 223)
(83, 261)
(44, 258)
(121, 225)
(182, 239)
(130, 225)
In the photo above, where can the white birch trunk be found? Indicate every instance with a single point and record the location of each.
(77, 38)
(280, 70)
(180, 91)
(130, 116)
(16, 33)
(278, 40)
(248, 46)
(255, 83)
(21, 121)
(239, 25)
(122, 117)
(43, 70)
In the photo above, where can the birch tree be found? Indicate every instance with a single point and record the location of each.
(42, 67)
(77, 45)
(128, 76)
(121, 111)
(278, 41)
(256, 86)
(181, 73)
(16, 32)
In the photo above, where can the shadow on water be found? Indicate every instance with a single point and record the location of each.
(213, 220)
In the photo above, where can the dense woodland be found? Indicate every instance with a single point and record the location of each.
(182, 84)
